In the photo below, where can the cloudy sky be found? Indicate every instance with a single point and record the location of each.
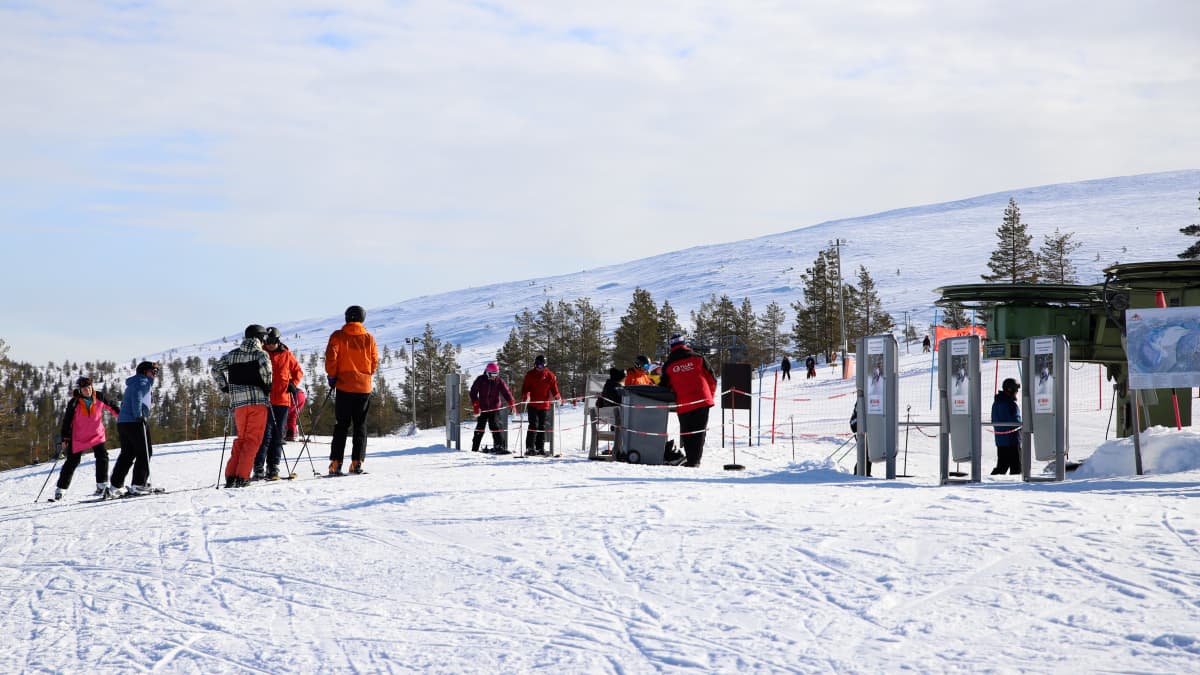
(172, 171)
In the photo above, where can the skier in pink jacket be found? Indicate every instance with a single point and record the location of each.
(83, 431)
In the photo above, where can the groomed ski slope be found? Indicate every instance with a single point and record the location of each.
(451, 561)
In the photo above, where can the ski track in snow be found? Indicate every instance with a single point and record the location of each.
(444, 561)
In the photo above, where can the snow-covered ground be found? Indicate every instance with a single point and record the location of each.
(452, 561)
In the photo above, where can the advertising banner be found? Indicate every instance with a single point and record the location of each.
(875, 376)
(1163, 347)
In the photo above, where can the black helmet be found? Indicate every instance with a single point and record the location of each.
(1010, 385)
(272, 336)
(84, 381)
(355, 313)
(641, 361)
(256, 331)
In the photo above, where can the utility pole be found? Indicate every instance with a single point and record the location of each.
(837, 244)
(412, 373)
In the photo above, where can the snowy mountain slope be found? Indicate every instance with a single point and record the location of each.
(450, 562)
(909, 252)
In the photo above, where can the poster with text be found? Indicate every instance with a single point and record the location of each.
(1163, 347)
(1043, 375)
(960, 379)
(876, 380)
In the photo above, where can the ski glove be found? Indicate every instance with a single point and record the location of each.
(292, 389)
(475, 407)
(332, 381)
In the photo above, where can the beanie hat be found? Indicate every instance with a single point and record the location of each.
(540, 360)
(677, 339)
(1009, 384)
(491, 368)
(84, 381)
(146, 367)
(354, 313)
(615, 374)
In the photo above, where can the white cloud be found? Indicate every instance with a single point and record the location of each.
(470, 129)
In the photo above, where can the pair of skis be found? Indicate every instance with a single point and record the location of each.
(124, 495)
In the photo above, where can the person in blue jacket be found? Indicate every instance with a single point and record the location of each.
(1006, 425)
(134, 431)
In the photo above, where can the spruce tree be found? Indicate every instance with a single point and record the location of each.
(591, 348)
(955, 317)
(1191, 252)
(746, 330)
(638, 330)
(434, 359)
(668, 325)
(1012, 260)
(1054, 258)
(771, 335)
(817, 329)
(868, 317)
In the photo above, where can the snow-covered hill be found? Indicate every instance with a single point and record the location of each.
(909, 252)
(443, 561)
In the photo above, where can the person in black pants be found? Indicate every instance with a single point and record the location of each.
(686, 373)
(134, 431)
(1006, 425)
(83, 431)
(785, 367)
(351, 359)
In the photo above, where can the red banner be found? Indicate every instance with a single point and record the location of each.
(941, 333)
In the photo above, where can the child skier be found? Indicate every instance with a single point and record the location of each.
(83, 431)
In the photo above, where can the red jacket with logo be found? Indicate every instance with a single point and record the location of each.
(687, 374)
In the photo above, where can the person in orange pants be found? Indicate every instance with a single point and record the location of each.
(245, 374)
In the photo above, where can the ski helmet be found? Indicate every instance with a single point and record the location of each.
(492, 368)
(642, 361)
(354, 313)
(256, 331)
(84, 381)
(272, 336)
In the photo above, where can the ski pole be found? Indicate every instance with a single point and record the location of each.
(221, 466)
(300, 428)
(907, 428)
(146, 450)
(304, 447)
(47, 481)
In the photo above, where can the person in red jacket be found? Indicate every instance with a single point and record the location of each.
(83, 431)
(286, 376)
(351, 359)
(539, 391)
(688, 375)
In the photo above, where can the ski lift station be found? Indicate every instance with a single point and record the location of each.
(1142, 324)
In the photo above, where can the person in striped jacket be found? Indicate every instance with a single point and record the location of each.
(245, 374)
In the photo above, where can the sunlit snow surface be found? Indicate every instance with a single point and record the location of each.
(452, 561)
